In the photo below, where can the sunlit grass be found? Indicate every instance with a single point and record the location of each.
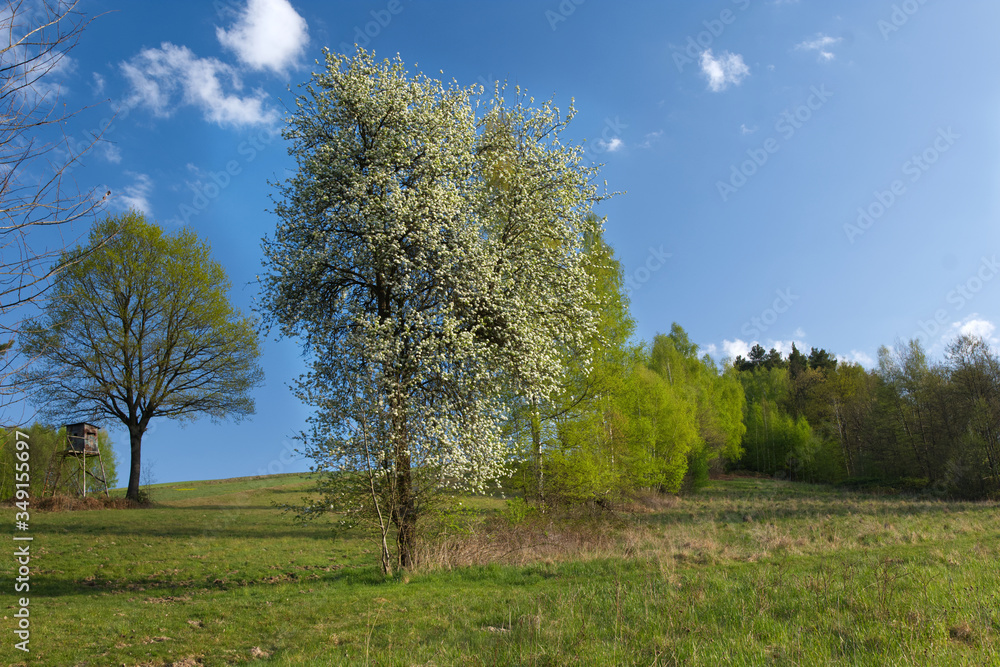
(749, 572)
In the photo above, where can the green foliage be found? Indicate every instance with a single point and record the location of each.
(908, 419)
(549, 431)
(44, 443)
(453, 518)
(517, 511)
(716, 398)
(663, 428)
(638, 439)
(699, 463)
(139, 327)
(668, 417)
(579, 474)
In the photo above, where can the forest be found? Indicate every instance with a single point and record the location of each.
(910, 423)
(660, 415)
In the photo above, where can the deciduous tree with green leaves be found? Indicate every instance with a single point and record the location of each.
(141, 327)
(593, 375)
(429, 256)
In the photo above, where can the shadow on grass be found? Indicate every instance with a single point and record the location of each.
(231, 527)
(766, 504)
(219, 508)
(140, 589)
(305, 488)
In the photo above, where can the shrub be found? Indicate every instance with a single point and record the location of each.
(44, 443)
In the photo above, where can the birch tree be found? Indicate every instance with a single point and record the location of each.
(429, 257)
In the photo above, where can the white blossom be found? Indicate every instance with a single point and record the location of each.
(428, 255)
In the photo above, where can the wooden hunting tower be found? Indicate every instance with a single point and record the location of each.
(81, 439)
(81, 442)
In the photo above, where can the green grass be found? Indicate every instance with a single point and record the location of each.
(749, 572)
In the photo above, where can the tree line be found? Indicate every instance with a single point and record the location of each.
(908, 423)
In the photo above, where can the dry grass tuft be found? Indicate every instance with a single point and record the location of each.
(187, 662)
(667, 531)
(650, 502)
(496, 540)
(962, 632)
(257, 652)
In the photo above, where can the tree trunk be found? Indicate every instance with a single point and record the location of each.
(406, 518)
(536, 451)
(135, 443)
(404, 513)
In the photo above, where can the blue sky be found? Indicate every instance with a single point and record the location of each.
(794, 170)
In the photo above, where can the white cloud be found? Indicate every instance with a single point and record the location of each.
(974, 326)
(111, 152)
(137, 195)
(157, 75)
(740, 348)
(34, 71)
(98, 84)
(727, 69)
(196, 179)
(857, 357)
(651, 138)
(614, 145)
(735, 348)
(269, 34)
(820, 44)
(747, 130)
(936, 344)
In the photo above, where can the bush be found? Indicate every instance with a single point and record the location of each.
(44, 443)
(517, 510)
(963, 471)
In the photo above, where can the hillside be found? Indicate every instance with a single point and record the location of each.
(751, 571)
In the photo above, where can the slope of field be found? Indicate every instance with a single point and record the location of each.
(749, 572)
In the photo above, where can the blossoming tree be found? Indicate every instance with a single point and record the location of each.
(428, 256)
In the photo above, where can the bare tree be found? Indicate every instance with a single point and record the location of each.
(36, 158)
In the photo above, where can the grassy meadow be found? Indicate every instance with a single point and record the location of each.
(747, 572)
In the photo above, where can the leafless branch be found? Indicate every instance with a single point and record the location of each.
(36, 162)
